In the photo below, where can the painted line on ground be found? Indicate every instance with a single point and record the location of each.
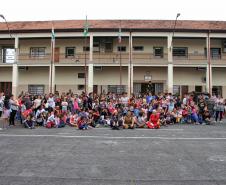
(116, 137)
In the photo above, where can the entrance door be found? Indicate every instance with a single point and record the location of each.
(56, 55)
(184, 90)
(95, 89)
(6, 87)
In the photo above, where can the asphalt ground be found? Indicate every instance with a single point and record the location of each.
(173, 155)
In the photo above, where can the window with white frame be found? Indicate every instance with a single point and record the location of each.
(180, 52)
(158, 52)
(69, 52)
(37, 51)
(36, 89)
(138, 48)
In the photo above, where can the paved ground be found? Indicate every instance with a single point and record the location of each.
(175, 155)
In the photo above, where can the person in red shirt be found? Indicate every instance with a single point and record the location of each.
(154, 121)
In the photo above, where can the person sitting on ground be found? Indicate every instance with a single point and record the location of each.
(116, 120)
(73, 120)
(141, 120)
(51, 121)
(128, 120)
(206, 116)
(154, 121)
(29, 122)
(82, 123)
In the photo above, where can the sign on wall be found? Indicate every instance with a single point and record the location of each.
(9, 55)
(147, 78)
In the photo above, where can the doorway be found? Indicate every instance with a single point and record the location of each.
(56, 55)
(6, 87)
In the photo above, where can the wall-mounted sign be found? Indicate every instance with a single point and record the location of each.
(9, 55)
(147, 78)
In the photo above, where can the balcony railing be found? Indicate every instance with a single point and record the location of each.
(111, 58)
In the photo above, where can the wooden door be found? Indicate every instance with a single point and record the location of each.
(57, 55)
(6, 87)
(184, 90)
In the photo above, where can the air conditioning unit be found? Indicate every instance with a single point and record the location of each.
(98, 68)
(23, 68)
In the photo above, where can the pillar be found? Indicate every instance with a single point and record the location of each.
(130, 66)
(53, 78)
(52, 75)
(15, 74)
(14, 79)
(208, 67)
(90, 65)
(170, 65)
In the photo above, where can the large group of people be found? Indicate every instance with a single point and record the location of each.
(116, 111)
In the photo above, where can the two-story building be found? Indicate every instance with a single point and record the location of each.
(189, 57)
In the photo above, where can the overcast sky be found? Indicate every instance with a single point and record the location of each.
(21, 10)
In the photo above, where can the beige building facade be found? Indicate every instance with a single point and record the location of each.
(191, 59)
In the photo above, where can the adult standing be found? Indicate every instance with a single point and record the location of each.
(219, 108)
(14, 108)
(1, 104)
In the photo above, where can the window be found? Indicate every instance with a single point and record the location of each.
(108, 47)
(224, 46)
(158, 52)
(215, 53)
(198, 88)
(138, 48)
(36, 89)
(180, 52)
(37, 51)
(96, 47)
(176, 89)
(81, 87)
(86, 48)
(69, 52)
(81, 75)
(116, 89)
(122, 48)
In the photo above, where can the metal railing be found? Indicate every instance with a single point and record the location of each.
(112, 58)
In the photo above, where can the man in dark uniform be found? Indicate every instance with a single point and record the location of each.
(150, 87)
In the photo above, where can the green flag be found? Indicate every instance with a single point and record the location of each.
(86, 28)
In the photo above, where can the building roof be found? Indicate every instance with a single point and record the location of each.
(95, 25)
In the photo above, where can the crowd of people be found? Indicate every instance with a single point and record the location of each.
(110, 110)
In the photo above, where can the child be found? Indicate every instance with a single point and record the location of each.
(73, 120)
(82, 123)
(29, 122)
(51, 121)
(154, 121)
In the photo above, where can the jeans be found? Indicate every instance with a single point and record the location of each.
(12, 117)
(217, 115)
(194, 117)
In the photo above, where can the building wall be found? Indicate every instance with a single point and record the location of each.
(5, 74)
(33, 76)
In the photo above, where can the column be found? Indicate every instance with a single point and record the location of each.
(53, 78)
(130, 66)
(208, 67)
(50, 80)
(130, 79)
(90, 66)
(170, 65)
(15, 68)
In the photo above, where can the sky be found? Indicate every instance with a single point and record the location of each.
(27, 10)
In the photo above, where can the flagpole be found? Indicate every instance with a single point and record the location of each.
(85, 68)
(120, 59)
(52, 57)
